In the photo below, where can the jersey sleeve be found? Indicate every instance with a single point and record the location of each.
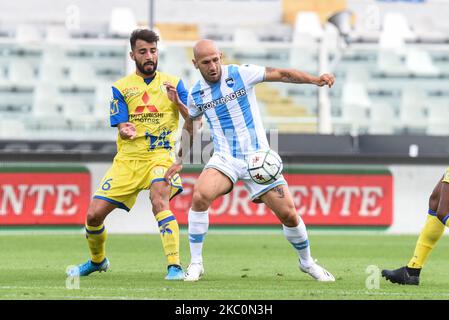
(252, 74)
(194, 112)
(118, 108)
(182, 92)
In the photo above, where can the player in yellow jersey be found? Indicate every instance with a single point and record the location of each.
(145, 108)
(437, 220)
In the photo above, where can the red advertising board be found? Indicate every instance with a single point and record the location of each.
(43, 196)
(327, 199)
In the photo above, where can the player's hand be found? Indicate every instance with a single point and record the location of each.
(172, 171)
(326, 79)
(127, 131)
(172, 93)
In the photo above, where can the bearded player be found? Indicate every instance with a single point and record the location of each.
(145, 108)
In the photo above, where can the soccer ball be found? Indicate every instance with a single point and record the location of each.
(264, 167)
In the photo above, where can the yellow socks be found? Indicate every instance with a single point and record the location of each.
(169, 231)
(96, 239)
(430, 234)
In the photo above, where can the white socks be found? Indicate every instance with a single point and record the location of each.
(297, 236)
(198, 226)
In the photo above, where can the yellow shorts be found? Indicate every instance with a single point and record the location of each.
(126, 178)
(446, 176)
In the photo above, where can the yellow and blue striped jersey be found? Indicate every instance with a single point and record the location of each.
(144, 102)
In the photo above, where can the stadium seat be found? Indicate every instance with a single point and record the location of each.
(28, 33)
(389, 63)
(413, 116)
(82, 73)
(12, 129)
(307, 28)
(122, 22)
(354, 106)
(57, 34)
(103, 94)
(77, 113)
(21, 72)
(46, 109)
(438, 113)
(395, 23)
(304, 51)
(3, 76)
(244, 36)
(419, 63)
(45, 101)
(427, 30)
(304, 59)
(51, 72)
(383, 119)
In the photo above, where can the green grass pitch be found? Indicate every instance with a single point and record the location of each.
(238, 266)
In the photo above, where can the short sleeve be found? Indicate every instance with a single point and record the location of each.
(252, 74)
(194, 112)
(118, 108)
(182, 92)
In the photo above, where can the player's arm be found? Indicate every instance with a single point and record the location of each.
(119, 115)
(178, 95)
(295, 76)
(127, 130)
(188, 130)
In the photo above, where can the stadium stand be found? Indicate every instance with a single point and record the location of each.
(53, 71)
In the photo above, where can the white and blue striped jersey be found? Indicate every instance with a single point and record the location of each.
(231, 109)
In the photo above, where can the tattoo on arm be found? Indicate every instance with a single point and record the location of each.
(279, 191)
(287, 75)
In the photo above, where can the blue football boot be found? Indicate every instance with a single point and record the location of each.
(87, 268)
(174, 273)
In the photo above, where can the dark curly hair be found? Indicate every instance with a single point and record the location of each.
(143, 34)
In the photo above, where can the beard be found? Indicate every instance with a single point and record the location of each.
(212, 79)
(147, 72)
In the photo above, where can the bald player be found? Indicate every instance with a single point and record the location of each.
(225, 95)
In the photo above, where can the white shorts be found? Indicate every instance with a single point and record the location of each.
(235, 169)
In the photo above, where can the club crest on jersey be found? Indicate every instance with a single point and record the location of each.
(230, 82)
(113, 107)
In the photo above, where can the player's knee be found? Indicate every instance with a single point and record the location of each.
(291, 220)
(288, 216)
(200, 201)
(94, 219)
(434, 200)
(97, 212)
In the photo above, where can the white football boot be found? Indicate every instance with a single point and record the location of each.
(194, 272)
(317, 272)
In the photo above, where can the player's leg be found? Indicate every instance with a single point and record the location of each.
(443, 203)
(433, 228)
(160, 192)
(279, 200)
(117, 190)
(432, 231)
(96, 236)
(210, 185)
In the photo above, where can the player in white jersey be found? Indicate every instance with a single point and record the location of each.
(225, 96)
